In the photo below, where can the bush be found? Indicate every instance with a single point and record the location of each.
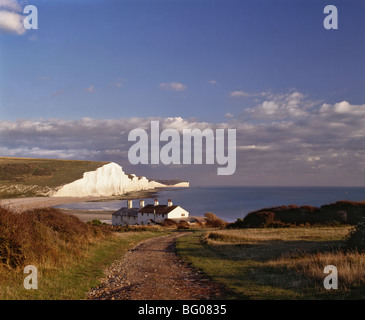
(182, 225)
(335, 214)
(356, 237)
(96, 222)
(41, 235)
(213, 221)
(238, 224)
(262, 219)
(168, 223)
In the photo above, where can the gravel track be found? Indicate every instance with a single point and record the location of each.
(153, 271)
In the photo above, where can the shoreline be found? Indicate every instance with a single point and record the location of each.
(89, 215)
(23, 204)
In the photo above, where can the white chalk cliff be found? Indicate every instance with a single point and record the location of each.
(108, 180)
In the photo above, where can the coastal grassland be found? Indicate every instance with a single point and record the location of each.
(28, 177)
(280, 263)
(70, 255)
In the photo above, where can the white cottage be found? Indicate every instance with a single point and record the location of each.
(125, 215)
(148, 214)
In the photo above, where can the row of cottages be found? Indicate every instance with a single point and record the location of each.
(150, 213)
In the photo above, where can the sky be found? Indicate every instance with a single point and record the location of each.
(96, 69)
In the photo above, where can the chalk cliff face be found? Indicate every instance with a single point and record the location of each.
(107, 180)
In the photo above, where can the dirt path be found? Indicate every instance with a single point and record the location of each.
(153, 271)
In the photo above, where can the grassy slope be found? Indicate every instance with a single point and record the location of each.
(73, 280)
(44, 173)
(276, 263)
(70, 255)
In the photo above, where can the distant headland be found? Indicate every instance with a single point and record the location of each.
(31, 177)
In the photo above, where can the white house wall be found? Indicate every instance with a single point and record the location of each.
(178, 212)
(143, 218)
(124, 220)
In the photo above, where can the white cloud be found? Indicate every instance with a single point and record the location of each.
(212, 82)
(323, 145)
(281, 106)
(57, 93)
(173, 86)
(239, 93)
(89, 89)
(117, 84)
(343, 108)
(254, 147)
(10, 5)
(11, 19)
(11, 22)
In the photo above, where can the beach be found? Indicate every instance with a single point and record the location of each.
(22, 204)
(228, 203)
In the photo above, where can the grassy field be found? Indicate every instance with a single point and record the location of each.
(278, 263)
(29, 177)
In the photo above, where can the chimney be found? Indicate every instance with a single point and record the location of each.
(130, 204)
(169, 203)
(156, 202)
(141, 203)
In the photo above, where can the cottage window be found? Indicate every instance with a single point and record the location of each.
(183, 214)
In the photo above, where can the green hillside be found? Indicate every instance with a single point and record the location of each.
(27, 177)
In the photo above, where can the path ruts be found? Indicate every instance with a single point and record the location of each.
(153, 271)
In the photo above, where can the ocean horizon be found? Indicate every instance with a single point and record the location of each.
(231, 203)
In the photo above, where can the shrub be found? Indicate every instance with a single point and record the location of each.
(238, 224)
(41, 235)
(335, 214)
(96, 222)
(168, 223)
(261, 219)
(213, 221)
(356, 237)
(183, 225)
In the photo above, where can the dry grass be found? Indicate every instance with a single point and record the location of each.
(69, 254)
(251, 236)
(284, 263)
(350, 267)
(350, 264)
(42, 237)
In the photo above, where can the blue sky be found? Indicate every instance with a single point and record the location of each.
(211, 60)
(252, 46)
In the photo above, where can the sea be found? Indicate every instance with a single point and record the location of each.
(231, 203)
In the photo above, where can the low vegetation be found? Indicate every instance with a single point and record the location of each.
(356, 237)
(267, 255)
(340, 213)
(280, 253)
(272, 263)
(69, 254)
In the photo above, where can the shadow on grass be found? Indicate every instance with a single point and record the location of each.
(242, 268)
